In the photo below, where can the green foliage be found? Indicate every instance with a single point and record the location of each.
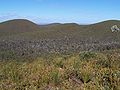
(10, 71)
(7, 55)
(103, 63)
(87, 55)
(85, 77)
(55, 78)
(60, 64)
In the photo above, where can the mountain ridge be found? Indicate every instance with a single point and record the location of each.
(105, 21)
(30, 29)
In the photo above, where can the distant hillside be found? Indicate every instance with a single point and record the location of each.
(18, 24)
(101, 30)
(29, 29)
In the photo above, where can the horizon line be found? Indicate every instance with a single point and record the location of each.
(59, 22)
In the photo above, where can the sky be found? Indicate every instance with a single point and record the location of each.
(60, 11)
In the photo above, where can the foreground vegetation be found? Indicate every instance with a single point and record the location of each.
(83, 71)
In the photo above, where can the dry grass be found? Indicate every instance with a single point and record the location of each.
(83, 71)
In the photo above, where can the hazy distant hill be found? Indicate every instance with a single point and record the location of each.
(17, 26)
(100, 30)
(24, 28)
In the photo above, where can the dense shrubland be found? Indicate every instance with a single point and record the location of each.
(20, 48)
(83, 71)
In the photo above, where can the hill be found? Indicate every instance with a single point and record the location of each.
(29, 29)
(17, 26)
(98, 31)
(23, 38)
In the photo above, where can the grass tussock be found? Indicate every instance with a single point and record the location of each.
(84, 71)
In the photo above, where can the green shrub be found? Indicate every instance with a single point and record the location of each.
(85, 77)
(55, 78)
(103, 63)
(11, 71)
(7, 55)
(87, 55)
